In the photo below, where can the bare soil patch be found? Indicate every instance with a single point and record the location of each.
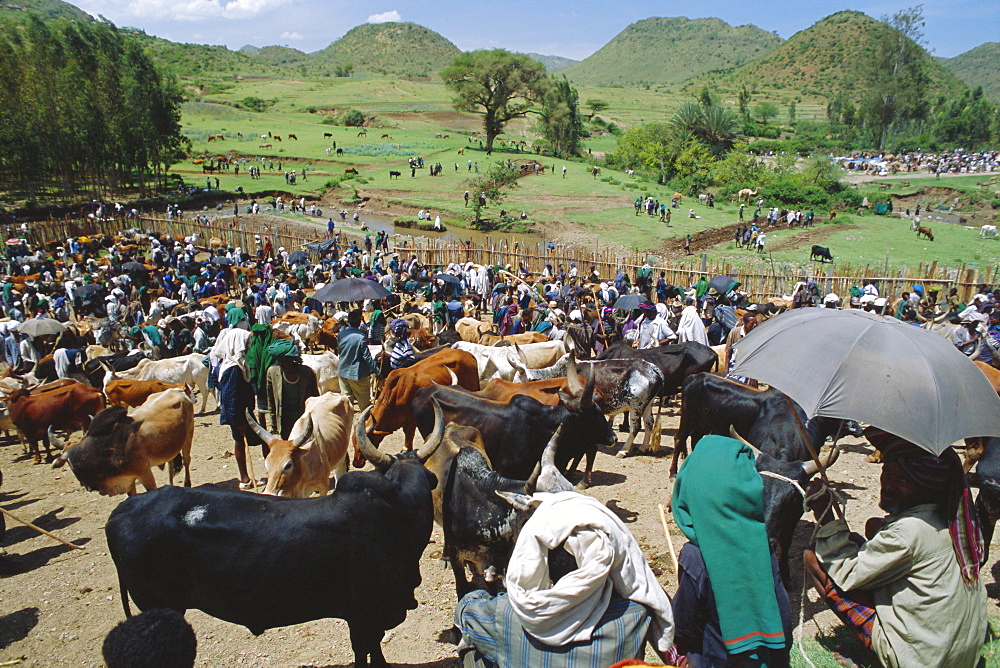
(58, 604)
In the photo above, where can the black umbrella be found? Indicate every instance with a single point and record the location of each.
(321, 246)
(133, 266)
(723, 284)
(222, 259)
(448, 278)
(350, 290)
(84, 290)
(298, 256)
(629, 302)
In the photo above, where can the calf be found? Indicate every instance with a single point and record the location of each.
(121, 392)
(630, 386)
(316, 446)
(119, 448)
(260, 561)
(64, 408)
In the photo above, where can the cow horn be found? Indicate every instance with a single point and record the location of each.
(941, 319)
(736, 435)
(587, 399)
(550, 479)
(454, 378)
(810, 466)
(379, 459)
(520, 354)
(264, 434)
(573, 379)
(431, 444)
(306, 432)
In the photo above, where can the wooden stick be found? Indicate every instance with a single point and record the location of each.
(670, 541)
(40, 530)
(253, 476)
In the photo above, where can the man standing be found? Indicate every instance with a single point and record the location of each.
(911, 592)
(356, 364)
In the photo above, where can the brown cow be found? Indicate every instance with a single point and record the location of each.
(133, 393)
(392, 410)
(317, 445)
(119, 449)
(513, 339)
(64, 407)
(422, 339)
(327, 336)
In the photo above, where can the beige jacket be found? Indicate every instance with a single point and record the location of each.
(925, 613)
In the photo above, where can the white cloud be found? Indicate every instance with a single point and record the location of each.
(197, 10)
(385, 17)
(291, 35)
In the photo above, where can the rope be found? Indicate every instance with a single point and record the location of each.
(835, 497)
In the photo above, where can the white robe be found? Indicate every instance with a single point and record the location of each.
(690, 327)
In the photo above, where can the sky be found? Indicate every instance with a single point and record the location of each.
(573, 29)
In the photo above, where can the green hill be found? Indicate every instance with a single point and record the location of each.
(405, 49)
(47, 9)
(671, 50)
(277, 55)
(202, 60)
(979, 67)
(824, 59)
(552, 63)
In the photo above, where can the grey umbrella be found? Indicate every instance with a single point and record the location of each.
(350, 290)
(629, 302)
(297, 256)
(860, 366)
(447, 278)
(41, 327)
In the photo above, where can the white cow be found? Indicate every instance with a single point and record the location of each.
(188, 369)
(305, 334)
(988, 231)
(325, 367)
(503, 362)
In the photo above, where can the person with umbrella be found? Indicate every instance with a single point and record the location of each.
(356, 364)
(653, 329)
(236, 395)
(912, 591)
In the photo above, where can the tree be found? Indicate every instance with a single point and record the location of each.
(497, 84)
(714, 126)
(704, 98)
(494, 184)
(653, 147)
(560, 118)
(596, 106)
(791, 111)
(896, 76)
(765, 111)
(345, 70)
(743, 97)
(353, 119)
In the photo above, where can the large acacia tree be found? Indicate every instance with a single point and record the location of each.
(497, 84)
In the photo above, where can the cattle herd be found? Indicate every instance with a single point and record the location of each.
(500, 414)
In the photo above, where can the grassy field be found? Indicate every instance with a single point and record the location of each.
(578, 208)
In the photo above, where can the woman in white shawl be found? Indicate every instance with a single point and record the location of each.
(236, 392)
(691, 327)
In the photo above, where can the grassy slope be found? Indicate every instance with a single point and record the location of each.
(406, 49)
(47, 9)
(595, 211)
(202, 61)
(670, 50)
(553, 63)
(820, 60)
(278, 55)
(979, 67)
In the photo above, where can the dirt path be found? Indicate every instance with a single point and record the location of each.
(58, 604)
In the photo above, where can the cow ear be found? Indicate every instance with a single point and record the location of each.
(519, 501)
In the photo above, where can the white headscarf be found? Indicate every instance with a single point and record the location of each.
(231, 348)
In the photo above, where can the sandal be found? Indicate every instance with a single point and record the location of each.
(246, 485)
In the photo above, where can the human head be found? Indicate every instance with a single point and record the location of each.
(159, 637)
(284, 352)
(354, 318)
(399, 328)
(749, 322)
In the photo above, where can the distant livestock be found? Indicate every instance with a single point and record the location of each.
(351, 170)
(821, 253)
(988, 231)
(926, 232)
(394, 174)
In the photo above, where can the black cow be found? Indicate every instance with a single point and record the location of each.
(772, 422)
(327, 134)
(821, 253)
(267, 561)
(120, 361)
(394, 173)
(987, 478)
(676, 362)
(515, 433)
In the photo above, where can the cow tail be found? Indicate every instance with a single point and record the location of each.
(124, 594)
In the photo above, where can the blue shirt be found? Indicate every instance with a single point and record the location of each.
(355, 359)
(489, 623)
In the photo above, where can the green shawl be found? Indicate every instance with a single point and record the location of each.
(718, 504)
(258, 359)
(701, 287)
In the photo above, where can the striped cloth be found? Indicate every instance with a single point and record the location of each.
(490, 626)
(857, 616)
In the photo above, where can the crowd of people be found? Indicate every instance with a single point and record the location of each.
(911, 590)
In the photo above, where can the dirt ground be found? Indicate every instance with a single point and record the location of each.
(57, 604)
